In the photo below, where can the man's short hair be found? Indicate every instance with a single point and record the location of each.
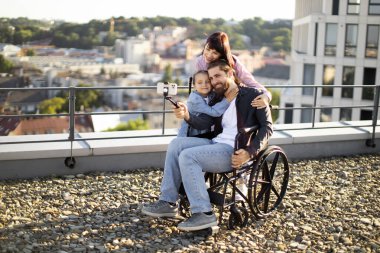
(222, 64)
(225, 67)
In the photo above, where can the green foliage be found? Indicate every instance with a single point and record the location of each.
(30, 52)
(6, 66)
(275, 101)
(262, 33)
(168, 74)
(52, 106)
(84, 98)
(138, 124)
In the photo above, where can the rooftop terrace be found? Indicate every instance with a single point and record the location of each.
(332, 205)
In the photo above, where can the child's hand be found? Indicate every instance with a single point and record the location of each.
(260, 102)
(231, 94)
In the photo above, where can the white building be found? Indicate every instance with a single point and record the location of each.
(335, 42)
(9, 50)
(133, 50)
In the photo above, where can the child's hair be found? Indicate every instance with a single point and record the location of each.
(197, 73)
(219, 41)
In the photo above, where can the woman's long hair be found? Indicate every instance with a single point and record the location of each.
(219, 41)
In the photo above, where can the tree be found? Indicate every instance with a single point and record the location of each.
(84, 98)
(138, 124)
(52, 106)
(30, 52)
(168, 74)
(275, 101)
(6, 66)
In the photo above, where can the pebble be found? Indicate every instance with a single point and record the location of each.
(331, 205)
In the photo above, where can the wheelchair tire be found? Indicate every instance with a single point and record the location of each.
(238, 217)
(268, 182)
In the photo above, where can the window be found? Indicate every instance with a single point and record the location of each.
(353, 7)
(374, 7)
(369, 77)
(345, 114)
(326, 115)
(372, 44)
(335, 7)
(330, 40)
(351, 40)
(348, 79)
(365, 115)
(289, 114)
(308, 78)
(306, 114)
(328, 79)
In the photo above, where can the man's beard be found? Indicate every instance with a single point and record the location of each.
(220, 89)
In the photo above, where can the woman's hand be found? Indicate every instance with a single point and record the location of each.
(239, 158)
(260, 102)
(182, 112)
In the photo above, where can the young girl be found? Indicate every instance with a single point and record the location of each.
(218, 47)
(197, 103)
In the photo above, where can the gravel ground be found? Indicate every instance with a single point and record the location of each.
(332, 205)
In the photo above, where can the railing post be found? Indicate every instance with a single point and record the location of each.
(371, 142)
(314, 105)
(163, 117)
(71, 113)
(70, 161)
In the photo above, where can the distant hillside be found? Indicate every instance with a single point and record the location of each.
(245, 34)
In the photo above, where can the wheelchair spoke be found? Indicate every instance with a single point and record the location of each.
(266, 200)
(274, 164)
(275, 191)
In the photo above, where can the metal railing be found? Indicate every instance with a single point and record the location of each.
(72, 113)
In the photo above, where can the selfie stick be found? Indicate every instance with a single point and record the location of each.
(166, 92)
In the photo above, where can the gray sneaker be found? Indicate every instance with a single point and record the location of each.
(198, 221)
(160, 208)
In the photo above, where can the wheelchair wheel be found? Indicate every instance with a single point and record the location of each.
(268, 182)
(238, 217)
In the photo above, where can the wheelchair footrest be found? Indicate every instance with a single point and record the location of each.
(216, 198)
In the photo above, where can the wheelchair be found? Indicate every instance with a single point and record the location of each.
(266, 177)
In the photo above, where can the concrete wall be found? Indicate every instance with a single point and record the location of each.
(26, 160)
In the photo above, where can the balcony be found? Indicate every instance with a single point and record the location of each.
(29, 156)
(95, 205)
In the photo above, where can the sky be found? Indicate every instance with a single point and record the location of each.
(82, 11)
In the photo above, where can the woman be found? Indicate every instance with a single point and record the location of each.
(218, 47)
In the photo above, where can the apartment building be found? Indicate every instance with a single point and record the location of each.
(334, 42)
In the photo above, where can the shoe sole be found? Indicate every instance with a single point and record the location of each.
(159, 215)
(209, 225)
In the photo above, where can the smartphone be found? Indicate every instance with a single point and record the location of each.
(167, 89)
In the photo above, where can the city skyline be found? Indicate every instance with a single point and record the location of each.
(85, 10)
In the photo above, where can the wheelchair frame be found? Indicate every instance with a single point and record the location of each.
(268, 176)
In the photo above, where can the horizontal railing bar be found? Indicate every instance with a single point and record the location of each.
(165, 135)
(179, 87)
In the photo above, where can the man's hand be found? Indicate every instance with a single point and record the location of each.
(231, 94)
(239, 158)
(182, 112)
(260, 102)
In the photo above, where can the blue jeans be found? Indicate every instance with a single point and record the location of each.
(187, 158)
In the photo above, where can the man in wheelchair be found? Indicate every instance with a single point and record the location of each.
(187, 158)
